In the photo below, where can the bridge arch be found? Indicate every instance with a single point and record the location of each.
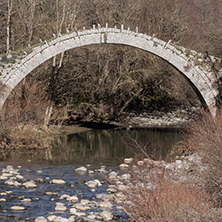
(186, 62)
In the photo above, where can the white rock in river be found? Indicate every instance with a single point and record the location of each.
(107, 215)
(17, 208)
(81, 207)
(26, 200)
(105, 204)
(7, 174)
(60, 219)
(84, 201)
(9, 182)
(90, 218)
(71, 219)
(60, 207)
(72, 199)
(140, 163)
(72, 210)
(20, 177)
(2, 177)
(81, 169)
(112, 175)
(29, 184)
(124, 166)
(64, 196)
(93, 183)
(51, 217)
(40, 219)
(2, 200)
(104, 197)
(128, 160)
(17, 184)
(58, 181)
(80, 214)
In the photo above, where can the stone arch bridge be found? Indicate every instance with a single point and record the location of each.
(197, 68)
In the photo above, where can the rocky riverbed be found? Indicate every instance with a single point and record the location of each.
(64, 193)
(78, 193)
(177, 117)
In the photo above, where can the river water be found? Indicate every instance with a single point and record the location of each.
(96, 150)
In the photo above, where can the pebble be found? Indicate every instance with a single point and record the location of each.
(108, 215)
(60, 207)
(91, 172)
(51, 194)
(9, 182)
(2, 177)
(20, 177)
(72, 199)
(72, 210)
(93, 183)
(123, 166)
(58, 181)
(40, 180)
(40, 219)
(112, 175)
(81, 169)
(84, 201)
(140, 163)
(29, 184)
(71, 219)
(128, 160)
(26, 200)
(105, 204)
(64, 196)
(80, 214)
(17, 208)
(60, 219)
(81, 207)
(51, 217)
(90, 218)
(17, 184)
(111, 190)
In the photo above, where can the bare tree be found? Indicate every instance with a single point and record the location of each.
(26, 12)
(8, 25)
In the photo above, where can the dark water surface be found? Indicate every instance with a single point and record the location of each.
(92, 149)
(110, 147)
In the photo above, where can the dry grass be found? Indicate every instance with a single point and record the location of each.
(23, 117)
(205, 137)
(158, 198)
(153, 195)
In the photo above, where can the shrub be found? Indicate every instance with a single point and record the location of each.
(205, 137)
(155, 197)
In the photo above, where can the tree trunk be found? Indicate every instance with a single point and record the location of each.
(8, 26)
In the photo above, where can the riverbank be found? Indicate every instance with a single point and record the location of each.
(30, 140)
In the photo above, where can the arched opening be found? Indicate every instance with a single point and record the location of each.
(103, 81)
(202, 84)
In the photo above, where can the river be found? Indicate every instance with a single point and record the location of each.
(100, 151)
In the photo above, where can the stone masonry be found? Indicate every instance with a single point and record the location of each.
(194, 66)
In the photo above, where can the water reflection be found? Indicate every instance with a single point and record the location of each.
(109, 147)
